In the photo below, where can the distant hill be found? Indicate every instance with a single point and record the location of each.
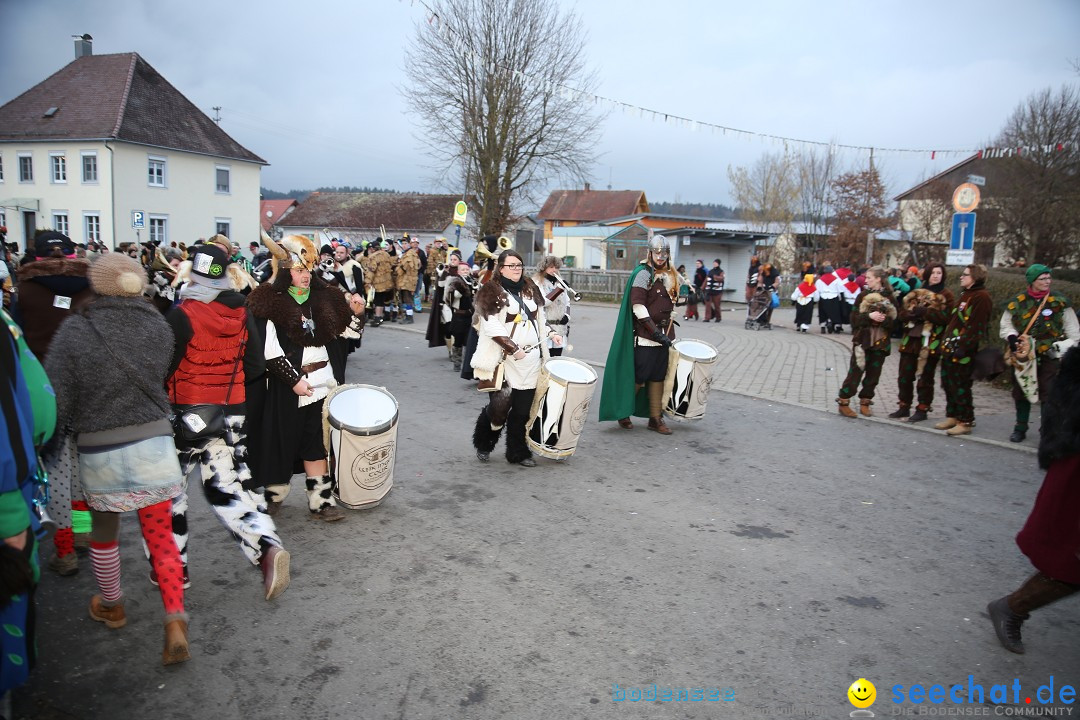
(706, 210)
(301, 195)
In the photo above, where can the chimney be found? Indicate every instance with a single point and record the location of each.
(588, 187)
(84, 45)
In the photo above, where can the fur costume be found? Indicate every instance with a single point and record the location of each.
(290, 251)
(874, 336)
(330, 311)
(1060, 430)
(491, 299)
(924, 328)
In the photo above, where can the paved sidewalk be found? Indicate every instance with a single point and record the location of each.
(784, 366)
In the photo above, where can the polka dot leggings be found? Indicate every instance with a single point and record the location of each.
(156, 524)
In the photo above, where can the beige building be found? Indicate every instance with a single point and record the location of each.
(106, 150)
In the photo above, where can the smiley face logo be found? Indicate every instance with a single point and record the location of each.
(862, 693)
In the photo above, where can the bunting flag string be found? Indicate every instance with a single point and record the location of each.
(571, 94)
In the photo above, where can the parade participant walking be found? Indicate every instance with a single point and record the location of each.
(108, 367)
(638, 356)
(1039, 326)
(417, 292)
(752, 277)
(1051, 536)
(871, 319)
(556, 301)
(924, 314)
(301, 321)
(714, 292)
(830, 290)
(380, 273)
(51, 288)
(804, 296)
(210, 364)
(966, 329)
(697, 291)
(512, 327)
(408, 270)
(437, 254)
(458, 298)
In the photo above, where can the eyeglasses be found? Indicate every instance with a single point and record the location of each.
(965, 274)
(515, 266)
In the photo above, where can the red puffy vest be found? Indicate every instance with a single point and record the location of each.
(204, 372)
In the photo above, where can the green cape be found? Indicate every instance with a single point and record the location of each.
(617, 396)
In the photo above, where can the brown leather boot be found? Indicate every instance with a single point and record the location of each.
(626, 424)
(657, 424)
(960, 428)
(275, 570)
(864, 407)
(176, 642)
(845, 408)
(112, 615)
(946, 424)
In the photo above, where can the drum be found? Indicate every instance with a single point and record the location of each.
(689, 377)
(360, 432)
(560, 407)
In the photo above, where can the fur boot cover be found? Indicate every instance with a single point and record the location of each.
(516, 447)
(484, 438)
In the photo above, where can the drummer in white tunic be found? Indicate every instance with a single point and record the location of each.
(512, 328)
(556, 300)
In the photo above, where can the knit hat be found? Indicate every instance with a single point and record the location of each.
(117, 275)
(46, 242)
(208, 267)
(1035, 271)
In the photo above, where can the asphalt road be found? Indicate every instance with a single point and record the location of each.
(774, 551)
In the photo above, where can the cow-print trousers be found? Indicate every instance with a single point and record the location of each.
(222, 464)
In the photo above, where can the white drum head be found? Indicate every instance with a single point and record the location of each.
(363, 410)
(570, 370)
(695, 349)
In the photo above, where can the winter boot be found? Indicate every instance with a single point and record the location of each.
(455, 356)
(845, 408)
(901, 412)
(919, 415)
(947, 423)
(275, 569)
(656, 424)
(864, 407)
(960, 428)
(176, 640)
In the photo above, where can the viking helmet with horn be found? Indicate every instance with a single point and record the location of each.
(294, 251)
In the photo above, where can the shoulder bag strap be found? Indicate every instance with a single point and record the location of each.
(1035, 315)
(123, 366)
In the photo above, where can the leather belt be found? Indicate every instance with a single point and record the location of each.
(312, 367)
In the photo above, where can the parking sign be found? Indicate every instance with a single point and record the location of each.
(138, 219)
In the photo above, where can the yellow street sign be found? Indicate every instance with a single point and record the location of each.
(460, 211)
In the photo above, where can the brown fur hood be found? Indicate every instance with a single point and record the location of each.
(491, 296)
(330, 311)
(52, 267)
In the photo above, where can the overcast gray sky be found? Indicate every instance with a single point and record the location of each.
(313, 87)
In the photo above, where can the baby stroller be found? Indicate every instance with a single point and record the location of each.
(759, 310)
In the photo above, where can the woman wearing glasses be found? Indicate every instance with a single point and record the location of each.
(512, 329)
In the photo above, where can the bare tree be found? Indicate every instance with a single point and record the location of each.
(1039, 188)
(859, 209)
(928, 217)
(816, 168)
(766, 194)
(503, 100)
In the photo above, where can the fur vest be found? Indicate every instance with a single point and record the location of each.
(492, 299)
(327, 307)
(50, 290)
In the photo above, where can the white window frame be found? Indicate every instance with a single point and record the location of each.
(91, 227)
(151, 161)
(162, 237)
(60, 222)
(3, 218)
(1, 167)
(228, 177)
(22, 177)
(223, 222)
(58, 169)
(82, 166)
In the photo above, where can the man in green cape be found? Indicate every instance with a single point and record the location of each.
(638, 355)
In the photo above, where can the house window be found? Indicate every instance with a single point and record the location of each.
(1, 169)
(58, 167)
(60, 222)
(222, 226)
(89, 167)
(26, 168)
(92, 227)
(156, 171)
(222, 179)
(3, 219)
(620, 253)
(159, 230)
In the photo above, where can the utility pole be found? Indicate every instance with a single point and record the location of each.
(217, 114)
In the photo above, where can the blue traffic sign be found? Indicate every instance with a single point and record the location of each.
(138, 219)
(963, 231)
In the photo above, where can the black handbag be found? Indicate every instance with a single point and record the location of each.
(195, 423)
